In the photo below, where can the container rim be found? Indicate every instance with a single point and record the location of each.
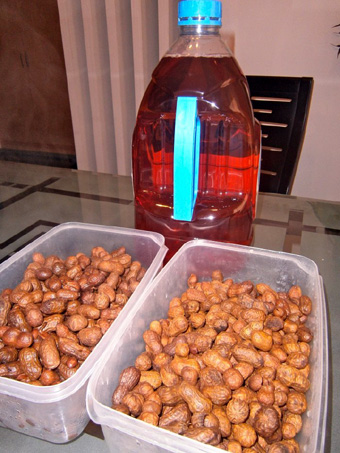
(101, 413)
(52, 393)
(156, 237)
(247, 248)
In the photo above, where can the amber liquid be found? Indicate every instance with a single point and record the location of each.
(229, 152)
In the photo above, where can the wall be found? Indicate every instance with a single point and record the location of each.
(35, 117)
(110, 48)
(294, 38)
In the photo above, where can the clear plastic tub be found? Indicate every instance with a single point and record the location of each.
(58, 413)
(280, 270)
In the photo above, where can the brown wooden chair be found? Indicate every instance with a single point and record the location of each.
(281, 104)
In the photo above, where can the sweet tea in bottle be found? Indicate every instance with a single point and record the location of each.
(196, 143)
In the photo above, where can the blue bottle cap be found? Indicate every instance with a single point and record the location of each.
(199, 12)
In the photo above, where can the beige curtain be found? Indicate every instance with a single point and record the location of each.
(111, 48)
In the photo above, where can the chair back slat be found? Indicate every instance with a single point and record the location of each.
(281, 105)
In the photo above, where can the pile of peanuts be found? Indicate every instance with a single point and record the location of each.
(229, 367)
(51, 321)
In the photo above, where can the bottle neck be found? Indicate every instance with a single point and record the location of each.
(199, 40)
(199, 30)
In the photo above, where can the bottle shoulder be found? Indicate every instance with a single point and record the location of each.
(199, 45)
(217, 83)
(200, 73)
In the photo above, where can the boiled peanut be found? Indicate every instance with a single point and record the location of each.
(195, 294)
(179, 413)
(76, 322)
(236, 289)
(105, 288)
(5, 307)
(90, 336)
(198, 342)
(247, 331)
(195, 400)
(101, 301)
(10, 369)
(65, 371)
(8, 354)
(134, 402)
(178, 363)
(292, 377)
(218, 394)
(253, 315)
(49, 377)
(16, 318)
(170, 396)
(247, 354)
(56, 295)
(89, 311)
(143, 362)
(34, 317)
(145, 389)
(177, 326)
(261, 340)
(244, 434)
(235, 358)
(153, 341)
(30, 364)
(233, 378)
(297, 360)
(152, 377)
(111, 266)
(14, 337)
(169, 378)
(70, 347)
(205, 435)
(296, 403)
(43, 273)
(53, 306)
(266, 421)
(48, 353)
(119, 393)
(51, 322)
(110, 313)
(149, 417)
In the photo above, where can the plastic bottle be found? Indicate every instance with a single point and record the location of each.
(196, 143)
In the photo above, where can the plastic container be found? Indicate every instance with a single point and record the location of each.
(280, 270)
(58, 413)
(196, 143)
